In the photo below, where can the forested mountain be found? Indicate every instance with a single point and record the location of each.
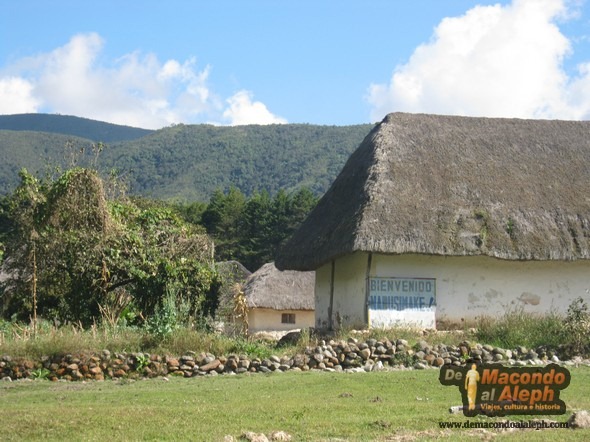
(69, 125)
(193, 160)
(189, 162)
(38, 152)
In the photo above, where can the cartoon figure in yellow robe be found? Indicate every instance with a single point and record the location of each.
(471, 380)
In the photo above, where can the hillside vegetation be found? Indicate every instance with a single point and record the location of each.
(69, 125)
(189, 162)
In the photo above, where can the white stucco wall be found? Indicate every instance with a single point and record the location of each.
(349, 291)
(466, 287)
(270, 320)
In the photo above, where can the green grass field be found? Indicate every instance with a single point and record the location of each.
(311, 406)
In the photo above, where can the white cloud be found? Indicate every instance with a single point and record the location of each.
(136, 89)
(493, 61)
(242, 110)
(16, 96)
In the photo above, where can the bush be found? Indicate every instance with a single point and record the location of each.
(577, 327)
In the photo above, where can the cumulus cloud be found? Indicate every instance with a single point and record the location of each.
(136, 89)
(493, 61)
(16, 96)
(242, 110)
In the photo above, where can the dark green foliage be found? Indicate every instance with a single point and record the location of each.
(223, 221)
(251, 230)
(83, 249)
(191, 161)
(188, 162)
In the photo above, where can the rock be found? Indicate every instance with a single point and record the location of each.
(423, 346)
(579, 420)
(290, 338)
(211, 365)
(429, 359)
(280, 436)
(378, 366)
(299, 360)
(254, 437)
(380, 350)
(172, 362)
(365, 353)
(231, 364)
(438, 362)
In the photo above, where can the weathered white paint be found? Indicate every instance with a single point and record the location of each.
(262, 319)
(466, 287)
(349, 292)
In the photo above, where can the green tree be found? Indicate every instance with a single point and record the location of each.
(257, 231)
(223, 220)
(88, 249)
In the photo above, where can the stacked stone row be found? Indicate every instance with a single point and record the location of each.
(337, 356)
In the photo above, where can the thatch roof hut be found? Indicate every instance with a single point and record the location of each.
(269, 288)
(454, 186)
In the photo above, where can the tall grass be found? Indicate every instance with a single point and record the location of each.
(515, 328)
(520, 328)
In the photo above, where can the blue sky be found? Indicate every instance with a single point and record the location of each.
(154, 63)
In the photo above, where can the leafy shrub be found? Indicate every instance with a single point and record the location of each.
(577, 327)
(40, 373)
(165, 319)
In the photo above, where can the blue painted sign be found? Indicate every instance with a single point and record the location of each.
(402, 293)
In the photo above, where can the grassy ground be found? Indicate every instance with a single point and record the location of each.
(318, 406)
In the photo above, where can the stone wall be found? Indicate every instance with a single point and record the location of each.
(336, 356)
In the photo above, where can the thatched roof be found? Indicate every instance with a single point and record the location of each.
(289, 290)
(445, 185)
(232, 271)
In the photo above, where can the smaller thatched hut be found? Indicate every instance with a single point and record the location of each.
(279, 301)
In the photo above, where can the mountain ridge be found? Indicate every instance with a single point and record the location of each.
(97, 131)
(188, 162)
